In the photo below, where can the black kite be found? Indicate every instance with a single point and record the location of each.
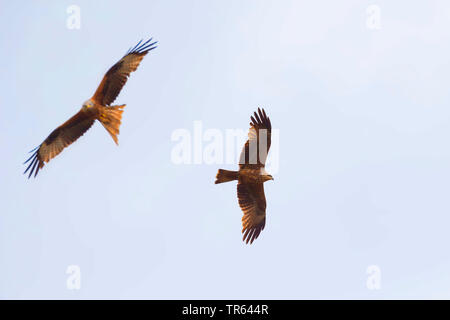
(96, 108)
(251, 176)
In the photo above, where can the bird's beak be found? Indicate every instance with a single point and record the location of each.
(271, 178)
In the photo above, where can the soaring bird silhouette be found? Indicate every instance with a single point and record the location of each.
(96, 108)
(251, 176)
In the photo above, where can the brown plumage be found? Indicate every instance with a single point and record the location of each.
(251, 176)
(98, 107)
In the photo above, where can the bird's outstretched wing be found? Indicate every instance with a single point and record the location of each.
(118, 74)
(254, 153)
(60, 138)
(253, 204)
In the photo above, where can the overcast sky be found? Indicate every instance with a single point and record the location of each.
(361, 105)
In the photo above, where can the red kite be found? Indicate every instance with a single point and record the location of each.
(96, 108)
(251, 176)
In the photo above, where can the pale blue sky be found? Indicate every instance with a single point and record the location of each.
(364, 175)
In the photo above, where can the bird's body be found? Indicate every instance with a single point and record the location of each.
(98, 107)
(251, 176)
(254, 175)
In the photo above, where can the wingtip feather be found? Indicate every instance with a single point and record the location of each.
(140, 47)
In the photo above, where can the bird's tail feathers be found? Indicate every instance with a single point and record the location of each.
(111, 117)
(225, 176)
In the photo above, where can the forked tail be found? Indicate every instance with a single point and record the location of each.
(111, 117)
(225, 176)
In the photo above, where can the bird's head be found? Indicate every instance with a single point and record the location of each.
(88, 104)
(265, 176)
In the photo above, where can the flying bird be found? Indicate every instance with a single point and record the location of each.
(251, 176)
(98, 107)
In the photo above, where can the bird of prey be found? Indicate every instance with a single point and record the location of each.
(251, 176)
(98, 107)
